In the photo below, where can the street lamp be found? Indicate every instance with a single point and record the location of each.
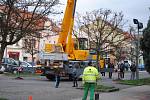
(139, 26)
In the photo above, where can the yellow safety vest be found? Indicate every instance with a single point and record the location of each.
(90, 75)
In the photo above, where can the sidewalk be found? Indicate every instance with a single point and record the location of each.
(109, 82)
(134, 93)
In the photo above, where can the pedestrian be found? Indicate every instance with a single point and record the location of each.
(126, 65)
(57, 76)
(111, 68)
(118, 70)
(103, 71)
(102, 67)
(75, 74)
(20, 68)
(133, 70)
(121, 68)
(89, 79)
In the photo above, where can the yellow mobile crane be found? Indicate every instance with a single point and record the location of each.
(59, 55)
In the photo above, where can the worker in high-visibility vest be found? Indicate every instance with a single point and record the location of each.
(89, 79)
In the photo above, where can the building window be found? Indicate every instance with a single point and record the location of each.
(17, 44)
(25, 58)
(29, 44)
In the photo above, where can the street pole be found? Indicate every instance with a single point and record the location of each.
(139, 26)
(137, 55)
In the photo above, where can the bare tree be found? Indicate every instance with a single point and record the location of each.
(119, 53)
(133, 43)
(19, 18)
(31, 43)
(135, 50)
(103, 28)
(30, 46)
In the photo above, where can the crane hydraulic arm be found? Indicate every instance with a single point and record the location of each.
(65, 36)
(67, 23)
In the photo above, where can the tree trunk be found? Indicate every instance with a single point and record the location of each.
(32, 59)
(2, 49)
(32, 46)
(32, 62)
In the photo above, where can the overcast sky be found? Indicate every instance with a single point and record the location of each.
(138, 9)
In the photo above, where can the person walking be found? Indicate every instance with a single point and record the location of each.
(111, 69)
(57, 77)
(133, 70)
(89, 79)
(75, 74)
(121, 68)
(118, 70)
(103, 71)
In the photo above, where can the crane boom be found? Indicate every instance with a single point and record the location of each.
(67, 23)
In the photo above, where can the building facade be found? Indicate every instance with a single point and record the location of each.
(23, 49)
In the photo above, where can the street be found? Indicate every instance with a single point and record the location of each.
(39, 89)
(42, 89)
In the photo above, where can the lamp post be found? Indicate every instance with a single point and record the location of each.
(139, 26)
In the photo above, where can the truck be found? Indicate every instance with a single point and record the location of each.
(63, 54)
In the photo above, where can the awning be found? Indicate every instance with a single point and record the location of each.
(14, 53)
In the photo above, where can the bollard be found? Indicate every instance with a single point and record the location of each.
(96, 96)
(30, 97)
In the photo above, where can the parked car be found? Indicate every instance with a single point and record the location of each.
(28, 67)
(9, 64)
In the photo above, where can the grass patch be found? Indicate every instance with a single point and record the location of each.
(102, 88)
(3, 99)
(145, 81)
(22, 75)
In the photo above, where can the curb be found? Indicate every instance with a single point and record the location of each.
(108, 90)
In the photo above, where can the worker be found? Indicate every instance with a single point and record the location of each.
(89, 79)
